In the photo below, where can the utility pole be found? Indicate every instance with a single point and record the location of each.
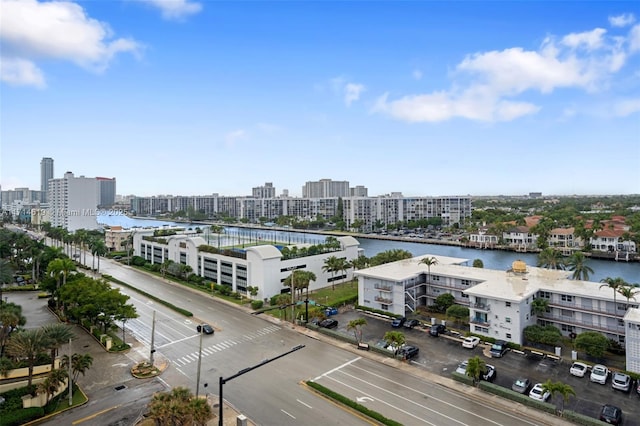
(70, 377)
(153, 332)
(199, 362)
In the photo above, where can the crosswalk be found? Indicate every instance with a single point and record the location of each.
(226, 344)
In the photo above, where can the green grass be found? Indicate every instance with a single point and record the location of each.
(328, 295)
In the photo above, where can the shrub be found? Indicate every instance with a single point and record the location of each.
(256, 304)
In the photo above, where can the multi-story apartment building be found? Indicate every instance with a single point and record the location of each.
(632, 339)
(265, 191)
(369, 211)
(500, 302)
(262, 266)
(106, 191)
(115, 237)
(563, 239)
(519, 238)
(73, 202)
(325, 188)
(612, 240)
(21, 195)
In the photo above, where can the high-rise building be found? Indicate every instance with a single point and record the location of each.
(106, 191)
(46, 173)
(266, 191)
(325, 188)
(73, 202)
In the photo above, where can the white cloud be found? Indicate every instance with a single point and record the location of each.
(175, 9)
(626, 107)
(487, 84)
(234, 136)
(622, 20)
(417, 74)
(20, 72)
(589, 40)
(634, 38)
(31, 31)
(352, 92)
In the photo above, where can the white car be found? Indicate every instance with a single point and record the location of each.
(578, 369)
(462, 368)
(599, 374)
(470, 342)
(538, 393)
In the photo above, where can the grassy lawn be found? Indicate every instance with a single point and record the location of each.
(329, 295)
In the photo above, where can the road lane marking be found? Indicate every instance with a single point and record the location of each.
(338, 368)
(304, 403)
(93, 416)
(290, 415)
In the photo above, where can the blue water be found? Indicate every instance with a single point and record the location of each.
(492, 259)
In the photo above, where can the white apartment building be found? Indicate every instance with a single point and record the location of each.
(260, 266)
(325, 188)
(632, 339)
(499, 301)
(73, 202)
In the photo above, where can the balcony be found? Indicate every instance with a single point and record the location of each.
(481, 307)
(589, 325)
(480, 321)
(384, 300)
(383, 287)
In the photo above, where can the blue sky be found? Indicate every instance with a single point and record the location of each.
(426, 98)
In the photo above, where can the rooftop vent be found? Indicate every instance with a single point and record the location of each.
(519, 267)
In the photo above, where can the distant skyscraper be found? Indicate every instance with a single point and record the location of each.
(46, 173)
(107, 191)
(325, 188)
(266, 191)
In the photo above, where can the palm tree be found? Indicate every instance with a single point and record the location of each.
(558, 388)
(629, 292)
(52, 382)
(10, 317)
(614, 284)
(356, 325)
(56, 335)
(6, 272)
(60, 268)
(429, 261)
(27, 344)
(475, 367)
(331, 265)
(179, 407)
(98, 248)
(394, 338)
(550, 258)
(539, 306)
(577, 264)
(79, 364)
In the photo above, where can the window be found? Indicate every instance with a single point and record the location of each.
(465, 282)
(545, 295)
(384, 307)
(507, 319)
(465, 296)
(508, 304)
(527, 317)
(508, 335)
(566, 298)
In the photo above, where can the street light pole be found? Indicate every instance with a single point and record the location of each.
(199, 362)
(222, 380)
(70, 377)
(153, 332)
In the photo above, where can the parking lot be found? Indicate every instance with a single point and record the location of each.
(441, 355)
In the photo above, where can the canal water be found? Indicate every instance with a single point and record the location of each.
(492, 259)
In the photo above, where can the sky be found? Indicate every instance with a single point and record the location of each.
(426, 98)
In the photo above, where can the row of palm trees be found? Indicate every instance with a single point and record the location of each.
(552, 258)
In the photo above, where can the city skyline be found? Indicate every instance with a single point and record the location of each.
(423, 98)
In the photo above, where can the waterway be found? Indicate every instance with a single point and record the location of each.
(492, 259)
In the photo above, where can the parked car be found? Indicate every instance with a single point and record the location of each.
(498, 349)
(398, 322)
(611, 414)
(490, 373)
(537, 392)
(621, 381)
(470, 342)
(462, 368)
(411, 323)
(328, 323)
(204, 328)
(521, 385)
(437, 329)
(578, 369)
(599, 374)
(331, 311)
(638, 387)
(408, 352)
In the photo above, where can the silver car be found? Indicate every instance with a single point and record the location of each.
(621, 381)
(599, 374)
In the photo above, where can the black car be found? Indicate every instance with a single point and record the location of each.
(437, 329)
(408, 352)
(398, 322)
(611, 414)
(411, 323)
(328, 323)
(204, 328)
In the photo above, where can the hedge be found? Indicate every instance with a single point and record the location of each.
(580, 419)
(517, 397)
(21, 416)
(462, 378)
(351, 403)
